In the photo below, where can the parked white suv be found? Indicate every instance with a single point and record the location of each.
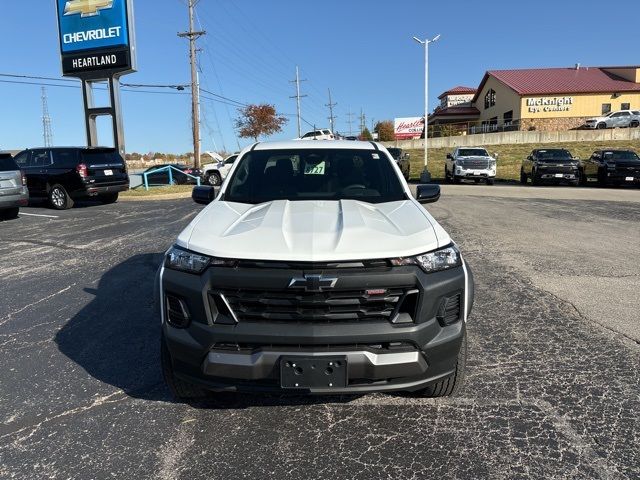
(471, 163)
(215, 173)
(314, 270)
(322, 134)
(619, 119)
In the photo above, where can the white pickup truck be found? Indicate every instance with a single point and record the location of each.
(215, 173)
(471, 163)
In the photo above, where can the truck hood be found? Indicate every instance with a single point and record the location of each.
(313, 231)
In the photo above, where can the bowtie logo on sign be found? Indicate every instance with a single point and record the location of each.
(87, 8)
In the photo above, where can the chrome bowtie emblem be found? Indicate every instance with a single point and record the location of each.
(86, 8)
(313, 283)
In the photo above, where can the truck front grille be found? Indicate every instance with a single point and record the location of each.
(333, 306)
(474, 163)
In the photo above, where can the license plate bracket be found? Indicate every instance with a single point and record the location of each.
(326, 372)
(108, 172)
(628, 179)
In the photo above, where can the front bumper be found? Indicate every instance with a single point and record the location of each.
(381, 356)
(17, 198)
(475, 173)
(557, 172)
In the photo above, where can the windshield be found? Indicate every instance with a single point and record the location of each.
(558, 154)
(472, 152)
(314, 174)
(621, 155)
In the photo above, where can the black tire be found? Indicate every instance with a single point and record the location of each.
(523, 177)
(215, 180)
(456, 179)
(108, 198)
(574, 183)
(602, 178)
(634, 124)
(9, 213)
(179, 389)
(601, 126)
(59, 199)
(452, 385)
(491, 181)
(582, 178)
(535, 180)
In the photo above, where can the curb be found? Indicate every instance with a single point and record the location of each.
(166, 196)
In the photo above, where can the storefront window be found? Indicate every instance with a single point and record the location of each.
(625, 106)
(606, 108)
(508, 117)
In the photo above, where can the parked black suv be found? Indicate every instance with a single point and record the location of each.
(550, 164)
(612, 167)
(64, 174)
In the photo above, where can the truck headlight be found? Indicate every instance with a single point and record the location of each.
(186, 261)
(436, 261)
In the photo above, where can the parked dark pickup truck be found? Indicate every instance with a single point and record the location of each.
(612, 167)
(550, 165)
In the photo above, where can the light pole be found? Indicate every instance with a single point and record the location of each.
(425, 176)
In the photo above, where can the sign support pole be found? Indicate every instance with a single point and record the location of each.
(114, 110)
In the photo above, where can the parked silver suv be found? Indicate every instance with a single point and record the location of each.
(13, 188)
(470, 163)
(619, 119)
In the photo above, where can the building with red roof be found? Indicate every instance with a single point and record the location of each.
(555, 98)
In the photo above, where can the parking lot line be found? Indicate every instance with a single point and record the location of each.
(38, 215)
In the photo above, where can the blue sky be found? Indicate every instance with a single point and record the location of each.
(362, 50)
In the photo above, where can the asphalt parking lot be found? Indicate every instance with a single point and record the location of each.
(553, 385)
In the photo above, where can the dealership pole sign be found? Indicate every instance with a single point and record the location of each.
(96, 37)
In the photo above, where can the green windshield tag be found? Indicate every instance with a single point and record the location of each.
(317, 169)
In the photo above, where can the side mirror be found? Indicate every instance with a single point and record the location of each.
(496, 155)
(407, 156)
(449, 156)
(428, 193)
(203, 195)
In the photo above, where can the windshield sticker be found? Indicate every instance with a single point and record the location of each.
(317, 169)
(375, 156)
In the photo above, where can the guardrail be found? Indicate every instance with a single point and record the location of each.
(169, 169)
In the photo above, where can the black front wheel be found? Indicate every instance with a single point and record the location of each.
(523, 177)
(490, 181)
(179, 389)
(452, 385)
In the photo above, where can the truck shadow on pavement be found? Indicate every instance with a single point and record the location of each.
(116, 339)
(116, 336)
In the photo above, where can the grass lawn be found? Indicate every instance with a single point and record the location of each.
(510, 156)
(141, 192)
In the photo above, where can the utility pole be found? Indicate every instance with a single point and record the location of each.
(332, 118)
(350, 122)
(425, 176)
(363, 121)
(193, 35)
(47, 134)
(297, 96)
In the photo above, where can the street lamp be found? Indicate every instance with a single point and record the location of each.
(425, 176)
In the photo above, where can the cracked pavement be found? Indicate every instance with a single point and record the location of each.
(552, 390)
